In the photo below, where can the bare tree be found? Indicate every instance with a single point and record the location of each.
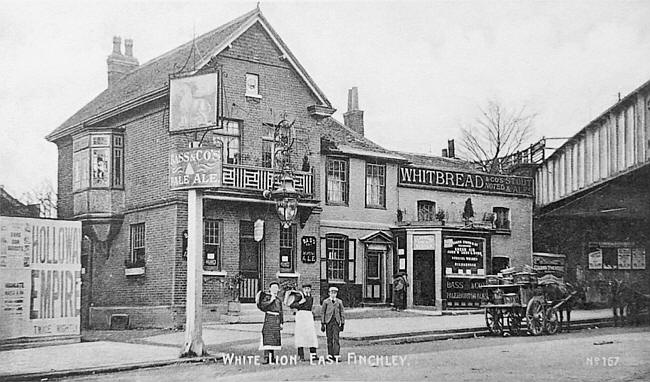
(495, 134)
(45, 196)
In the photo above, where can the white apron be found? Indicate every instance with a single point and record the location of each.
(305, 334)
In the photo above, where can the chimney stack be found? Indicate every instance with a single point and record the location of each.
(451, 149)
(119, 64)
(444, 153)
(353, 118)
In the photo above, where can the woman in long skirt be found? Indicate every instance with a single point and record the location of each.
(305, 333)
(271, 338)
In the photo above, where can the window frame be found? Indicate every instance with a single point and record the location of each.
(381, 187)
(137, 242)
(223, 136)
(89, 145)
(293, 232)
(341, 260)
(424, 202)
(345, 193)
(255, 94)
(508, 220)
(208, 244)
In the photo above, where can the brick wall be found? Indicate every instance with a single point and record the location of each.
(64, 179)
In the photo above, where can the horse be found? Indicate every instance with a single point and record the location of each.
(567, 296)
(628, 303)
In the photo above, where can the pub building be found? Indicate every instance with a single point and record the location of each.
(362, 212)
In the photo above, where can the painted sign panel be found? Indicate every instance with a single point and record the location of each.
(625, 258)
(192, 102)
(446, 179)
(638, 258)
(308, 249)
(596, 260)
(40, 277)
(195, 168)
(463, 255)
(548, 263)
(462, 292)
(424, 242)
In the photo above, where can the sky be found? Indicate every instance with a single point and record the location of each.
(422, 68)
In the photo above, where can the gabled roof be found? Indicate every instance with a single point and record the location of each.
(151, 79)
(337, 138)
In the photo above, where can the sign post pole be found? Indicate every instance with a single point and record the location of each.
(193, 345)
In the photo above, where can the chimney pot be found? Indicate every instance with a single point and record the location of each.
(128, 47)
(117, 45)
(353, 99)
(451, 148)
(444, 153)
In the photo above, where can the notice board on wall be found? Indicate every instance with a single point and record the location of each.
(40, 277)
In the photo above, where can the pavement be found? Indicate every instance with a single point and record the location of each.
(164, 349)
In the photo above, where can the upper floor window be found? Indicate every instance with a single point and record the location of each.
(426, 210)
(137, 257)
(337, 249)
(375, 185)
(502, 217)
(252, 85)
(287, 248)
(229, 139)
(98, 161)
(337, 181)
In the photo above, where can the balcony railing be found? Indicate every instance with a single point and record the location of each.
(261, 178)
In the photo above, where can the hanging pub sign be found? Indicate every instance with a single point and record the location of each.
(195, 168)
(308, 249)
(419, 177)
(463, 255)
(192, 102)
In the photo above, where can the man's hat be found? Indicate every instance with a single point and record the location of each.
(333, 288)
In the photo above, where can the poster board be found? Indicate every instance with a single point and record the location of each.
(549, 263)
(40, 278)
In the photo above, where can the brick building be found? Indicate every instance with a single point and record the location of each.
(113, 176)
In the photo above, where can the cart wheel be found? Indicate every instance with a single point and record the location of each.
(535, 316)
(494, 320)
(514, 323)
(552, 321)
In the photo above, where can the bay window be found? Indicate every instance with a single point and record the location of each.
(98, 161)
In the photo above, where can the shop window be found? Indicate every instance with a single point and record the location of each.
(337, 181)
(426, 210)
(502, 220)
(375, 185)
(252, 85)
(229, 139)
(287, 248)
(98, 161)
(212, 244)
(137, 257)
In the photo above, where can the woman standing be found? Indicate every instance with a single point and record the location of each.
(305, 332)
(271, 338)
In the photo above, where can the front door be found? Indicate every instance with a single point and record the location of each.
(423, 278)
(374, 259)
(249, 262)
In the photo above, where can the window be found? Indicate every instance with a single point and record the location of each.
(137, 258)
(228, 138)
(267, 153)
(337, 181)
(287, 248)
(252, 85)
(336, 257)
(98, 161)
(502, 220)
(212, 244)
(375, 185)
(426, 211)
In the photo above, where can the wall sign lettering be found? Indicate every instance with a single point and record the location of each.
(308, 249)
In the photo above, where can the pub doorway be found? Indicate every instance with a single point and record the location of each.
(249, 262)
(424, 277)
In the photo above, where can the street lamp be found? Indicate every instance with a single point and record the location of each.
(286, 200)
(284, 195)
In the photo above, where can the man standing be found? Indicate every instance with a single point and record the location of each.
(332, 322)
(273, 320)
(305, 333)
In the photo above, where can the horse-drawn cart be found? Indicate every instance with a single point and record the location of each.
(511, 303)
